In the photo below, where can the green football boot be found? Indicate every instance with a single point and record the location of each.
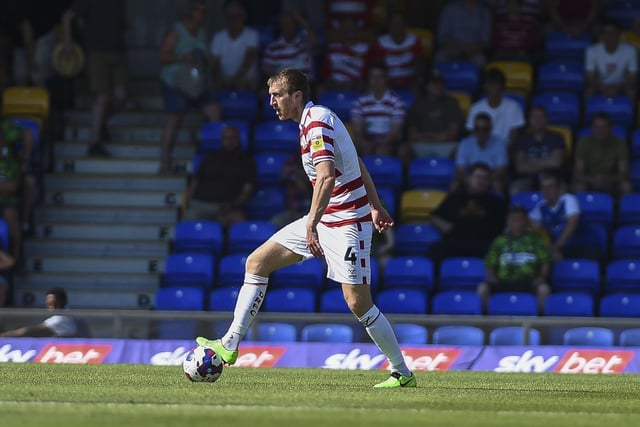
(397, 380)
(228, 356)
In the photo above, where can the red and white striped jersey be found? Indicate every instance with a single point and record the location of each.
(346, 62)
(400, 59)
(378, 115)
(360, 10)
(324, 138)
(281, 54)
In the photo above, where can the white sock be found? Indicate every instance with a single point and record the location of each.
(248, 304)
(380, 331)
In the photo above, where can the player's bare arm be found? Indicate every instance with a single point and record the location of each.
(379, 215)
(325, 182)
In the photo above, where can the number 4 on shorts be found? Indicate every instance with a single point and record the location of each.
(350, 255)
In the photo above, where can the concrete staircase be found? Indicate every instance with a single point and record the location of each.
(104, 226)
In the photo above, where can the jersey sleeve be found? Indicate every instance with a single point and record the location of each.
(62, 326)
(320, 136)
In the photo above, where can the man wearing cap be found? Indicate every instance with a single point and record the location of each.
(434, 119)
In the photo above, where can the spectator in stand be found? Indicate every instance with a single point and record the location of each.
(515, 37)
(346, 59)
(359, 10)
(506, 114)
(517, 261)
(183, 47)
(611, 65)
(602, 160)
(223, 183)
(470, 218)
(378, 118)
(536, 150)
(235, 51)
(464, 32)
(402, 53)
(6, 263)
(482, 146)
(574, 17)
(434, 119)
(298, 192)
(293, 49)
(532, 11)
(105, 27)
(558, 216)
(56, 325)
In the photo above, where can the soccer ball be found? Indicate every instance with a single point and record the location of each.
(202, 364)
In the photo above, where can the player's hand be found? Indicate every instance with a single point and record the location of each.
(381, 219)
(313, 242)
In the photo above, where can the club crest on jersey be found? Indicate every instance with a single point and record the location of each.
(317, 143)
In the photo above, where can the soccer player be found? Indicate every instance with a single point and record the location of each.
(344, 210)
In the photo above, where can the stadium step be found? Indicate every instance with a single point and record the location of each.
(76, 181)
(105, 265)
(113, 198)
(144, 102)
(116, 166)
(118, 232)
(95, 248)
(138, 134)
(133, 118)
(116, 282)
(105, 215)
(121, 150)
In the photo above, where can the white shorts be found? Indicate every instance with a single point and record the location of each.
(346, 248)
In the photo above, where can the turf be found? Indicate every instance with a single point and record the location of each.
(112, 395)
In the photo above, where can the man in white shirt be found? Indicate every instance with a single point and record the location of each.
(611, 65)
(235, 51)
(506, 114)
(54, 326)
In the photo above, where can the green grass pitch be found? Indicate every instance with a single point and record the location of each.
(139, 395)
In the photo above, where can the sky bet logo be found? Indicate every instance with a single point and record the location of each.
(73, 353)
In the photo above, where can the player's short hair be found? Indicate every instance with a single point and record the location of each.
(294, 80)
(60, 294)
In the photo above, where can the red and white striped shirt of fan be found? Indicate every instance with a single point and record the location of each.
(378, 115)
(360, 10)
(346, 63)
(323, 137)
(400, 58)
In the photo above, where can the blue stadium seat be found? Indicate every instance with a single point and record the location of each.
(4, 234)
(563, 108)
(231, 270)
(513, 335)
(269, 167)
(460, 76)
(309, 273)
(389, 198)
(211, 132)
(386, 171)
(458, 335)
(626, 242)
(596, 208)
(620, 304)
(619, 130)
(630, 337)
(561, 75)
(622, 275)
(238, 104)
(635, 144)
(526, 199)
(512, 304)
(276, 332)
(518, 97)
(402, 301)
(266, 202)
(198, 236)
(332, 301)
(589, 336)
(569, 304)
(456, 302)
(245, 236)
(223, 299)
(622, 11)
(461, 272)
(559, 45)
(292, 300)
(576, 275)
(189, 269)
(34, 127)
(182, 299)
(415, 239)
(629, 209)
(408, 272)
(431, 173)
(411, 333)
(594, 236)
(634, 173)
(327, 332)
(275, 135)
(340, 102)
(619, 108)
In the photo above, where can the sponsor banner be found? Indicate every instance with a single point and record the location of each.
(565, 360)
